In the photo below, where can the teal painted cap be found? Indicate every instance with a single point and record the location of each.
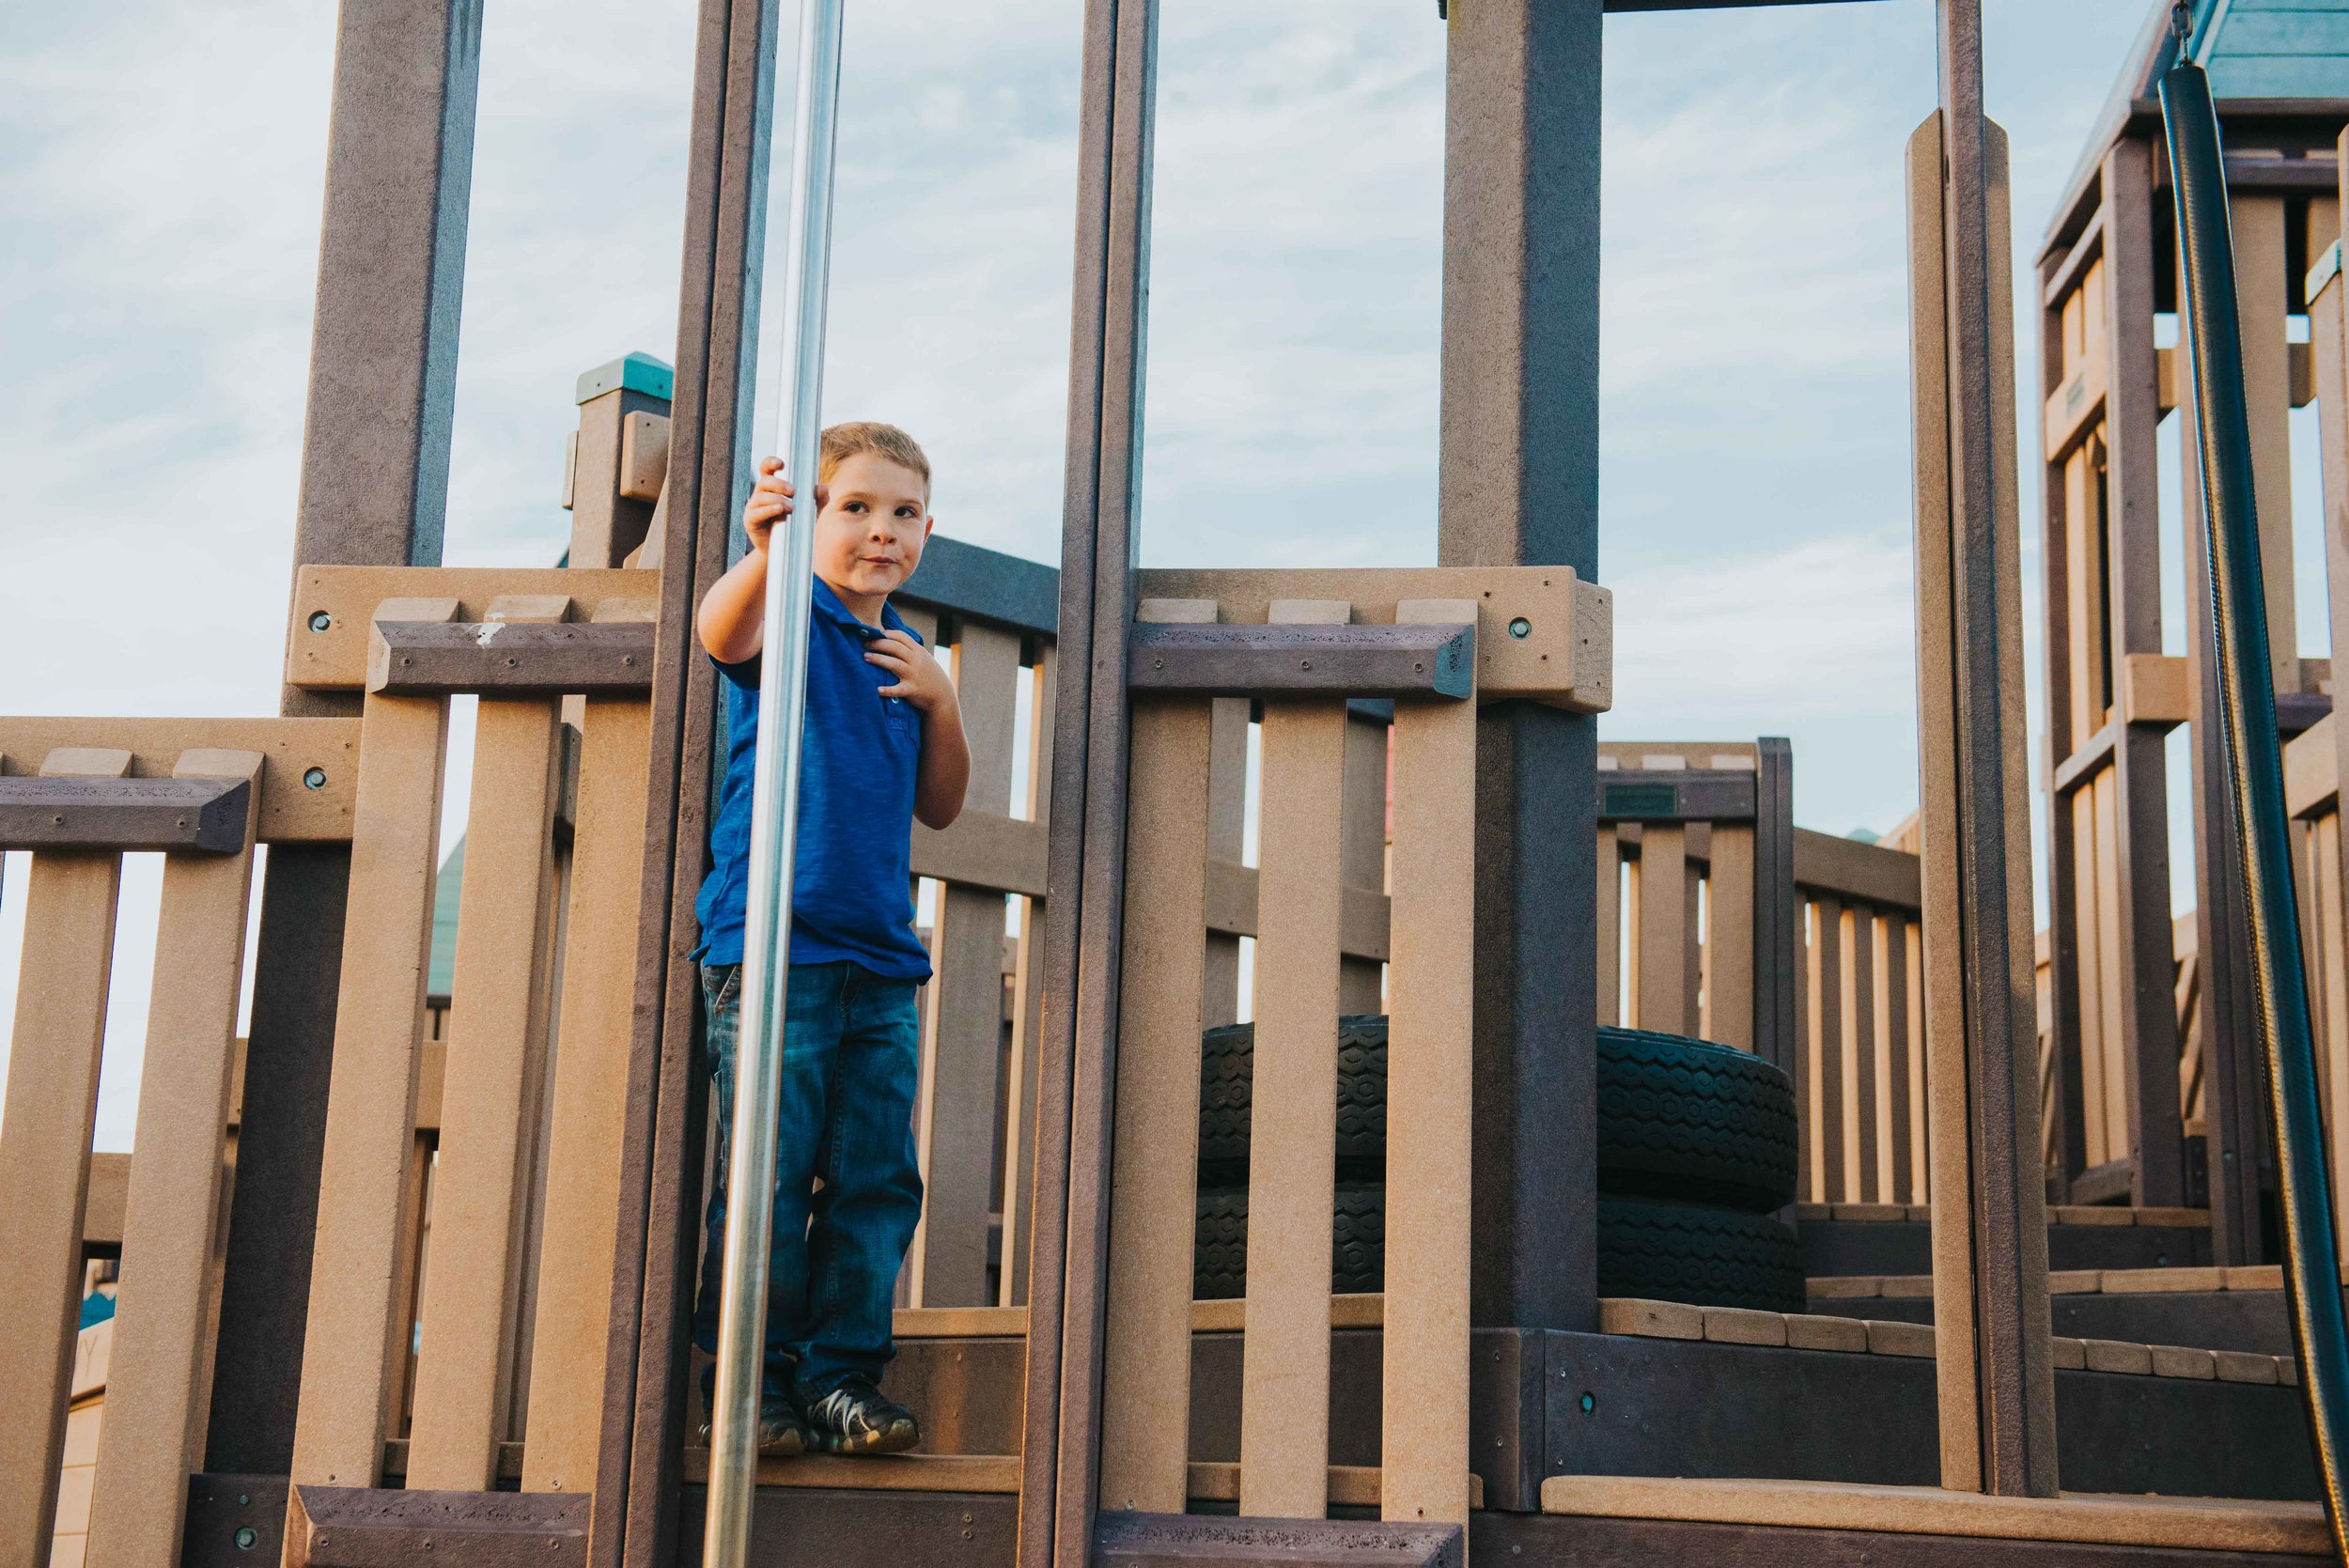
(632, 372)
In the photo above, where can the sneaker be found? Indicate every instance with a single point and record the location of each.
(783, 1433)
(854, 1418)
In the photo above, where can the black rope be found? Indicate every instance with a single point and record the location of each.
(2255, 788)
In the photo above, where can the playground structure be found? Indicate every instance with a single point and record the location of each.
(399, 1274)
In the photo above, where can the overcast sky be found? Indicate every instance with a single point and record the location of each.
(161, 166)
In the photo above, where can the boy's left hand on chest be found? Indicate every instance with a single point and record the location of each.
(920, 679)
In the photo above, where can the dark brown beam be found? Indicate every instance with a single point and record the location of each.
(1405, 660)
(1174, 1540)
(1662, 797)
(428, 658)
(203, 815)
(354, 1526)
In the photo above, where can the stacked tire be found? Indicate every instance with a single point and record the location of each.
(1696, 1151)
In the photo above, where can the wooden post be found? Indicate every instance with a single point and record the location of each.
(1077, 1057)
(618, 457)
(50, 1106)
(1519, 459)
(660, 1155)
(490, 1089)
(1995, 1371)
(147, 1444)
(374, 484)
(1227, 829)
(1777, 905)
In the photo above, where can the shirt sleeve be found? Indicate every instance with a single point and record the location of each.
(744, 675)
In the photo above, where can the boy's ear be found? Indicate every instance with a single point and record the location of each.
(929, 522)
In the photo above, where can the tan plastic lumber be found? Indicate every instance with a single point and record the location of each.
(962, 1034)
(489, 1095)
(577, 1229)
(356, 1333)
(1146, 1374)
(50, 1106)
(1027, 1007)
(1284, 1400)
(307, 790)
(1729, 938)
(1609, 920)
(1425, 1437)
(1666, 930)
(347, 600)
(156, 1393)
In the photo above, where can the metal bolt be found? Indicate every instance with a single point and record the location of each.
(242, 1500)
(1520, 628)
(1590, 1403)
(1307, 663)
(246, 1537)
(320, 620)
(314, 779)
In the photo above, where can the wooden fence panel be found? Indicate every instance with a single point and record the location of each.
(1285, 1414)
(1610, 913)
(364, 1208)
(1423, 1446)
(1729, 926)
(163, 1314)
(1145, 1423)
(51, 1107)
(590, 1088)
(1667, 935)
(957, 1115)
(1862, 1070)
(1027, 1003)
(489, 1095)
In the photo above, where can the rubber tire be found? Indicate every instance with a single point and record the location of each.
(1357, 1250)
(1697, 1253)
(1690, 1120)
(1226, 1069)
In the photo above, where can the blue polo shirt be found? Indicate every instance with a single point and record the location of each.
(851, 888)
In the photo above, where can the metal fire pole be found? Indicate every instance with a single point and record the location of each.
(774, 813)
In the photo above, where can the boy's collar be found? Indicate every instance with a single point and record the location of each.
(826, 602)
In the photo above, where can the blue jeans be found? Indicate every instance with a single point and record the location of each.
(851, 1053)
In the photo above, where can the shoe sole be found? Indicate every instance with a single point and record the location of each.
(897, 1440)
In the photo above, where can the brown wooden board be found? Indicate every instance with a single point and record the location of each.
(1182, 1540)
(1544, 1541)
(50, 1107)
(307, 790)
(509, 657)
(155, 1389)
(1628, 794)
(204, 816)
(1252, 660)
(334, 607)
(332, 1527)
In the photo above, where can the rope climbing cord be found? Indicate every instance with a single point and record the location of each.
(2247, 710)
(775, 812)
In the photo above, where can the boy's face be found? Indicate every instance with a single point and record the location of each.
(870, 534)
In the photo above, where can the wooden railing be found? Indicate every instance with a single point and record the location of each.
(2313, 794)
(1859, 1075)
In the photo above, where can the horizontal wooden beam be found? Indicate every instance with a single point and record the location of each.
(2087, 248)
(1629, 796)
(333, 607)
(2313, 770)
(1826, 864)
(1541, 633)
(1122, 1539)
(423, 658)
(2202, 1523)
(1401, 661)
(309, 775)
(198, 816)
(966, 580)
(2085, 763)
(1362, 913)
(983, 850)
(354, 1527)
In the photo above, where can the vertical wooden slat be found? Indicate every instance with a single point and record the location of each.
(1027, 1004)
(2331, 939)
(1777, 905)
(2119, 1060)
(2260, 299)
(2329, 338)
(50, 1106)
(1424, 1445)
(2093, 1059)
(1920, 1058)
(569, 1341)
(1292, 1171)
(1729, 928)
(1861, 1133)
(957, 1113)
(1830, 1084)
(1363, 855)
(1898, 1095)
(1609, 927)
(1800, 1065)
(1146, 1374)
(146, 1446)
(489, 1095)
(364, 1208)
(1663, 975)
(1227, 827)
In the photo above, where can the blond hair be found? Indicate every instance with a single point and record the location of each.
(843, 442)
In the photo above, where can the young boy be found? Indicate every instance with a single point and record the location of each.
(882, 748)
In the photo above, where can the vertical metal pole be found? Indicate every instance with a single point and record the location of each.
(774, 814)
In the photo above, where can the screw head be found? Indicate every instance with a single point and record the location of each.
(1590, 1403)
(320, 620)
(246, 1538)
(1520, 628)
(314, 779)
